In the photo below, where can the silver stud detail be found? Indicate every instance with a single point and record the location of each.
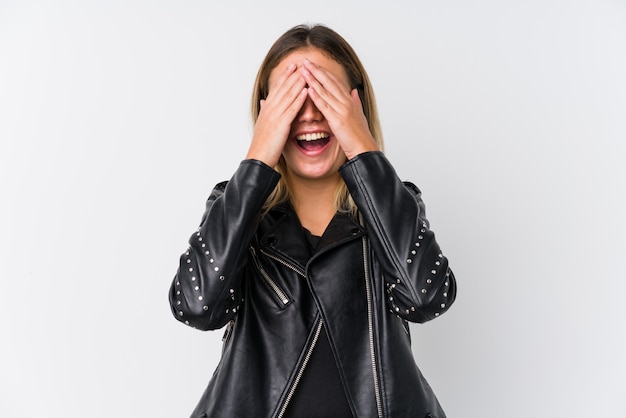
(433, 271)
(187, 322)
(180, 313)
(423, 230)
(409, 260)
(423, 290)
(200, 298)
(412, 308)
(203, 245)
(446, 283)
(429, 281)
(413, 252)
(232, 291)
(178, 302)
(188, 261)
(443, 305)
(436, 313)
(440, 255)
(197, 287)
(207, 252)
(222, 277)
(437, 263)
(178, 292)
(216, 269)
(177, 283)
(397, 309)
(190, 268)
(445, 294)
(420, 237)
(206, 308)
(199, 238)
(193, 279)
(398, 281)
(417, 244)
(211, 260)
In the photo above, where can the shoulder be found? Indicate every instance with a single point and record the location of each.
(412, 188)
(218, 190)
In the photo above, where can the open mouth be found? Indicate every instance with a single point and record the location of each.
(313, 141)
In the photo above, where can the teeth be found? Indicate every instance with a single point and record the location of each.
(312, 137)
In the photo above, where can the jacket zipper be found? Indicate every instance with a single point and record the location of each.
(301, 371)
(370, 324)
(283, 262)
(227, 334)
(281, 295)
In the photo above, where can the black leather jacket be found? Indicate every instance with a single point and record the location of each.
(366, 279)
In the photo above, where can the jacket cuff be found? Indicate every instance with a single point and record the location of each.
(257, 178)
(370, 166)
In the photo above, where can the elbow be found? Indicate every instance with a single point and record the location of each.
(426, 302)
(440, 300)
(200, 311)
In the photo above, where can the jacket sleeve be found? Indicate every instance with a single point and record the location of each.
(420, 285)
(206, 291)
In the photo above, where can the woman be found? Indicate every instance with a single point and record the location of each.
(315, 255)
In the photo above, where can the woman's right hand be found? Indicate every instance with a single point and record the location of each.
(285, 99)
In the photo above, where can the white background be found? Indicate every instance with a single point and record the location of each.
(118, 117)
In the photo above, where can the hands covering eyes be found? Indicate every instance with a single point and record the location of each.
(340, 106)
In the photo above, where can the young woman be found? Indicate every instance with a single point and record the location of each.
(314, 255)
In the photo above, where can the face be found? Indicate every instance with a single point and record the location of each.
(311, 151)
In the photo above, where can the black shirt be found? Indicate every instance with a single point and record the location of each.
(319, 392)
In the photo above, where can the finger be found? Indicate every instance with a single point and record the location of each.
(327, 79)
(291, 68)
(294, 107)
(324, 98)
(356, 98)
(286, 85)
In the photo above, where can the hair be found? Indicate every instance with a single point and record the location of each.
(335, 46)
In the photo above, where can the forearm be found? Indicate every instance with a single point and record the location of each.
(419, 282)
(206, 287)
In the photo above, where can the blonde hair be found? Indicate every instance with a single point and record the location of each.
(331, 43)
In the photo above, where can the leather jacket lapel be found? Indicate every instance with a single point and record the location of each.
(285, 237)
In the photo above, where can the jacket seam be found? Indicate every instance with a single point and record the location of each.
(381, 232)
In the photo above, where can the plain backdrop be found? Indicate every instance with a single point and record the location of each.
(118, 117)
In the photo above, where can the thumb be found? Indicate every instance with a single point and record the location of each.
(355, 97)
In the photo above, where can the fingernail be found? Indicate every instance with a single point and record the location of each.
(291, 66)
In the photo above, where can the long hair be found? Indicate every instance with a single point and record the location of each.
(330, 42)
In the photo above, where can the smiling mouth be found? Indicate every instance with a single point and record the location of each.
(313, 141)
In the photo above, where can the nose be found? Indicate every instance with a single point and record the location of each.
(309, 112)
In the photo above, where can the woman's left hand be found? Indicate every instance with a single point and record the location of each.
(342, 109)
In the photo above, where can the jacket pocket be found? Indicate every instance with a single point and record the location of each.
(278, 294)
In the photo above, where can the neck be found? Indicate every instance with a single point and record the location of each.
(314, 202)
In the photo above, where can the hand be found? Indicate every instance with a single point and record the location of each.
(278, 111)
(341, 107)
